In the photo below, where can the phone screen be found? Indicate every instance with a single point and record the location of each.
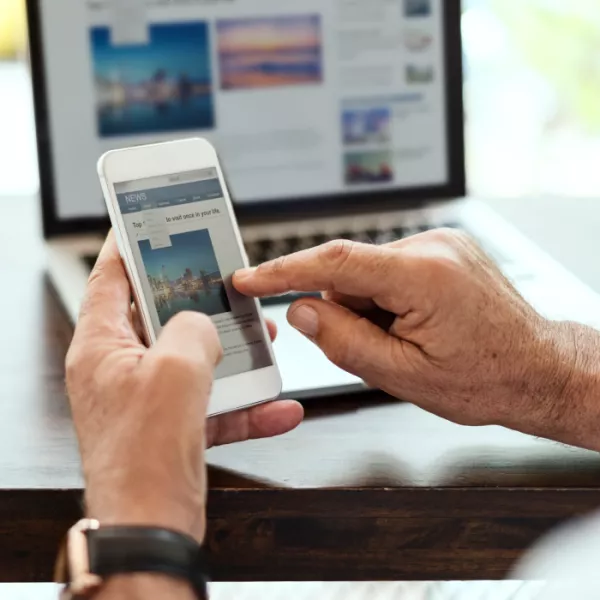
(185, 250)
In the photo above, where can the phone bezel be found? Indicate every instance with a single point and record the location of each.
(163, 159)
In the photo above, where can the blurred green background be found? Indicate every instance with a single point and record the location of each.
(561, 41)
(533, 97)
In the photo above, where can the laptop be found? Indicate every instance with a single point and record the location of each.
(334, 119)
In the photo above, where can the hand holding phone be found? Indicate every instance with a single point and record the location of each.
(178, 237)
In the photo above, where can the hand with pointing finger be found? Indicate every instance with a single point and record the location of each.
(431, 320)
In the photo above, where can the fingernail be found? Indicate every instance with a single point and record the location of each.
(306, 320)
(244, 274)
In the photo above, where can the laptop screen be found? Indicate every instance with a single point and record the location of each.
(312, 100)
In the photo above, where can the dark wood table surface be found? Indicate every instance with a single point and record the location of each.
(367, 489)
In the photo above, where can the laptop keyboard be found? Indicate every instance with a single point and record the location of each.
(264, 250)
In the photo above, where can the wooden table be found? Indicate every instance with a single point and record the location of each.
(367, 489)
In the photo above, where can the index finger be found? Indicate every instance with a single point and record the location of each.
(346, 267)
(108, 298)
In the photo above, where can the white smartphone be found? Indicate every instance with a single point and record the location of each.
(178, 237)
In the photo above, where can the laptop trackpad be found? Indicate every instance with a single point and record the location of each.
(304, 368)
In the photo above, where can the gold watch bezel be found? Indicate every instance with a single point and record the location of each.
(73, 565)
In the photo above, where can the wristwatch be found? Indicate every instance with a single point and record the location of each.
(92, 553)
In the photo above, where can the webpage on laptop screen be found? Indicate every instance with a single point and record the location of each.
(301, 99)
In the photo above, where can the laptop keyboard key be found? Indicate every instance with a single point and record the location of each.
(319, 240)
(90, 261)
(294, 244)
(363, 237)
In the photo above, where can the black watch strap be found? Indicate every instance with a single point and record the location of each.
(120, 550)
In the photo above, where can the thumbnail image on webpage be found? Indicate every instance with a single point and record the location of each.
(270, 51)
(163, 86)
(185, 276)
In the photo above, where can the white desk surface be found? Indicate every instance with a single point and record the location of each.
(331, 591)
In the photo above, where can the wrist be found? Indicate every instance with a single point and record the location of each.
(561, 385)
(154, 505)
(143, 586)
(577, 421)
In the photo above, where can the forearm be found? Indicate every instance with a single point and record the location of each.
(143, 587)
(562, 388)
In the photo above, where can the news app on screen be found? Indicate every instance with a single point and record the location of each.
(184, 246)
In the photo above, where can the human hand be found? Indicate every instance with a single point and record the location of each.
(140, 414)
(431, 320)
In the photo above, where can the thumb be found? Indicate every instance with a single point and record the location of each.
(189, 341)
(351, 342)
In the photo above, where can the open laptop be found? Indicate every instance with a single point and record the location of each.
(336, 118)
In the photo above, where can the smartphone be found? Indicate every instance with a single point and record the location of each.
(180, 243)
